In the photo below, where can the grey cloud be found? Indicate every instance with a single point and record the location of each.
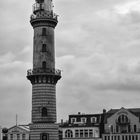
(93, 52)
(132, 18)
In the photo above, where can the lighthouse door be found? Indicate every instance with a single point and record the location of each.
(44, 136)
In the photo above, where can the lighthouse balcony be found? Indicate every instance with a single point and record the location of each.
(41, 71)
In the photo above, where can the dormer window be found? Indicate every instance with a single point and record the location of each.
(83, 120)
(93, 120)
(73, 120)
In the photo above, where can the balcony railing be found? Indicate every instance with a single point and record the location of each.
(43, 71)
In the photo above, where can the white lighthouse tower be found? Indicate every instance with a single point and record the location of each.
(43, 76)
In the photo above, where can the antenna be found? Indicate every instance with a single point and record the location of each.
(16, 119)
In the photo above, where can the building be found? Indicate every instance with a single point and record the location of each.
(122, 124)
(82, 126)
(43, 76)
(19, 132)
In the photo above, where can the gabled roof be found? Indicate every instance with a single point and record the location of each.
(22, 127)
(25, 127)
(135, 111)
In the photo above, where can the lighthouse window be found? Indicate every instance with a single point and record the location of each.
(44, 112)
(44, 47)
(44, 31)
(44, 65)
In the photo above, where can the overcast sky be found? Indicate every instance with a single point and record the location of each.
(97, 49)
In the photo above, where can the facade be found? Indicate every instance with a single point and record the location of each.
(43, 76)
(122, 124)
(116, 124)
(82, 126)
(19, 132)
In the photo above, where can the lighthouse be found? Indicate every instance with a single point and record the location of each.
(43, 76)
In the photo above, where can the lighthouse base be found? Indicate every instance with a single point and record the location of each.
(43, 131)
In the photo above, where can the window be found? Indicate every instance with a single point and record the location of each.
(86, 133)
(90, 133)
(122, 137)
(93, 120)
(73, 120)
(23, 136)
(18, 136)
(133, 138)
(68, 134)
(117, 129)
(118, 137)
(11, 136)
(81, 133)
(76, 133)
(136, 137)
(44, 65)
(123, 119)
(129, 137)
(129, 128)
(96, 133)
(44, 47)
(135, 128)
(43, 31)
(83, 120)
(44, 112)
(111, 129)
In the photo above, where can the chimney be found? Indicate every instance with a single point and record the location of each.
(104, 111)
(61, 121)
